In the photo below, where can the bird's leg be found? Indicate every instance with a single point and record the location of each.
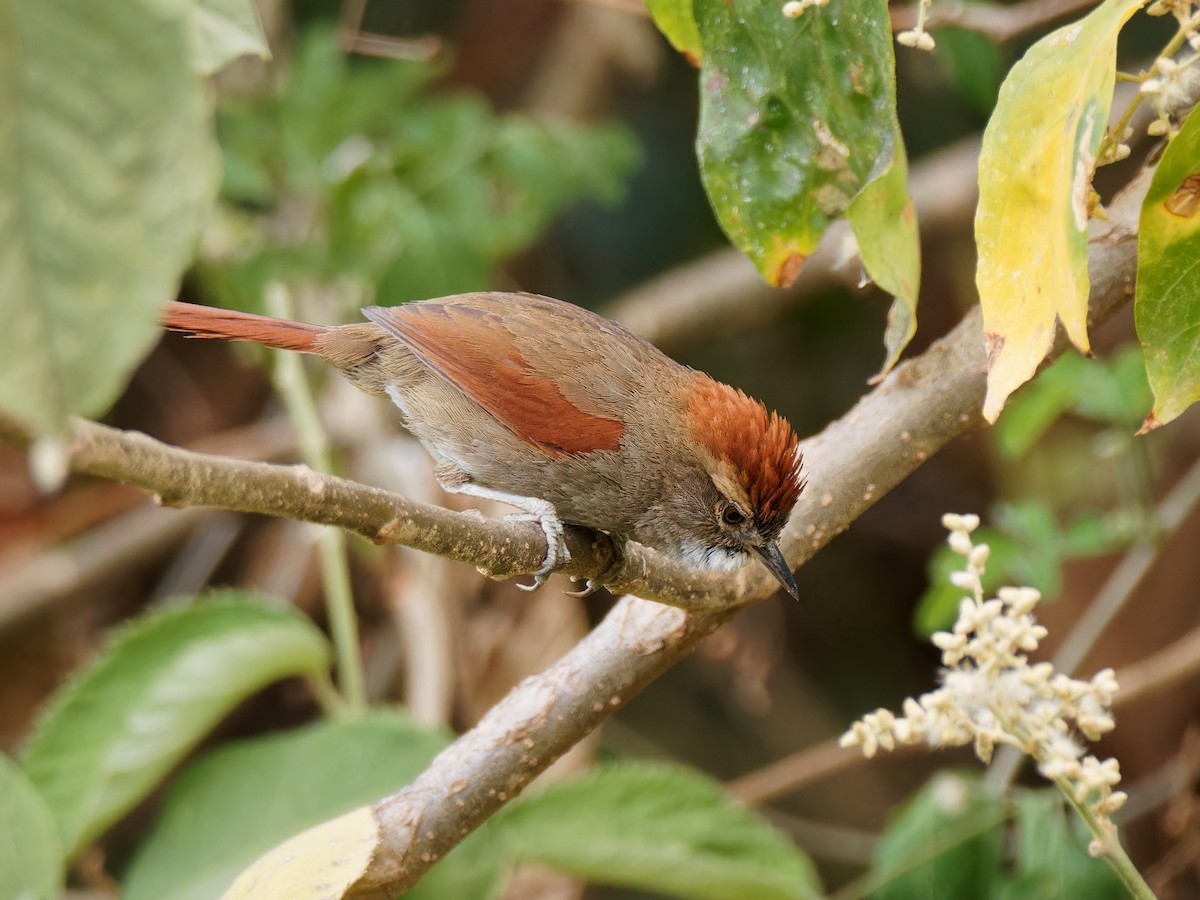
(453, 480)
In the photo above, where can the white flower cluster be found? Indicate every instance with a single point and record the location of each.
(794, 9)
(1172, 83)
(991, 694)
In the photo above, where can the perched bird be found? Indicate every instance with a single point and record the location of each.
(563, 414)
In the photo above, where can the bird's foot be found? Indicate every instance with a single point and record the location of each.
(533, 509)
(543, 512)
(591, 585)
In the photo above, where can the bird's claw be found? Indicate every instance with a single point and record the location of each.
(591, 585)
(556, 545)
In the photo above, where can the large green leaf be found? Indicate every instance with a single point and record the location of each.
(796, 115)
(1167, 303)
(1035, 175)
(238, 802)
(31, 857)
(151, 695)
(656, 828)
(107, 168)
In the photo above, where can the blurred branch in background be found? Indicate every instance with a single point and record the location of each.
(1000, 22)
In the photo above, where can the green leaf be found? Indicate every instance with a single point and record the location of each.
(885, 225)
(1051, 858)
(240, 801)
(412, 194)
(1111, 392)
(1035, 174)
(112, 734)
(656, 828)
(223, 30)
(1031, 412)
(1167, 302)
(109, 170)
(675, 20)
(31, 855)
(944, 843)
(796, 115)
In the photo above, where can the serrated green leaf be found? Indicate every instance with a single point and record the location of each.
(944, 843)
(108, 170)
(414, 194)
(1167, 302)
(675, 20)
(885, 225)
(31, 855)
(240, 801)
(1051, 859)
(658, 828)
(1035, 173)
(796, 116)
(223, 30)
(110, 736)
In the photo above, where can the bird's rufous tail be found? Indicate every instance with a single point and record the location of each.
(210, 322)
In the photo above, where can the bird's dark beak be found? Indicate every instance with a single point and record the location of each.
(772, 558)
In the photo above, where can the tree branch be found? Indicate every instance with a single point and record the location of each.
(915, 411)
(1000, 22)
(891, 431)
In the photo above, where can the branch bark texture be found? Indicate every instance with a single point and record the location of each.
(891, 431)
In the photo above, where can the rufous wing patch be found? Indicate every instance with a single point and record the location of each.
(472, 349)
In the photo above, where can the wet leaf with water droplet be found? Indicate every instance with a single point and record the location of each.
(796, 117)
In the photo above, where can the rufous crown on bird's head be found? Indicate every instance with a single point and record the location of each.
(753, 449)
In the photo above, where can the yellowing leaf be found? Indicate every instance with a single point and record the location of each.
(1035, 173)
(321, 862)
(1167, 303)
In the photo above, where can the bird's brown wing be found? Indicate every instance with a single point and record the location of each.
(473, 346)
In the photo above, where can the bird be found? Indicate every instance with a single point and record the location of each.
(565, 415)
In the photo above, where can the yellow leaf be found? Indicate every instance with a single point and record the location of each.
(1035, 175)
(321, 862)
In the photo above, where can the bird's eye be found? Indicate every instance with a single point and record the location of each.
(731, 515)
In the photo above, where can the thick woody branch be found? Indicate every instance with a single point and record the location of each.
(179, 477)
(917, 409)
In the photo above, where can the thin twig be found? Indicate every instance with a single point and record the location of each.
(1111, 599)
(1172, 512)
(1000, 22)
(890, 432)
(292, 385)
(918, 408)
